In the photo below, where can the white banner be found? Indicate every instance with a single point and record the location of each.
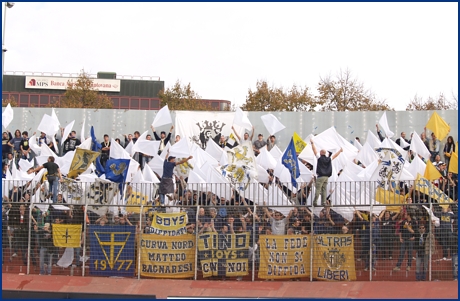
(199, 127)
(60, 83)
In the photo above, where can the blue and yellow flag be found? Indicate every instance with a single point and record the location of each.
(112, 250)
(290, 161)
(426, 187)
(82, 159)
(116, 170)
(67, 236)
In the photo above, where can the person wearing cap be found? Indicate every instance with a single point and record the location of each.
(53, 174)
(323, 172)
(258, 144)
(162, 138)
(166, 183)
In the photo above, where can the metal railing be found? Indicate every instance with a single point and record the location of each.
(277, 235)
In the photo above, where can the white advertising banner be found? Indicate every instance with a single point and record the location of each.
(60, 83)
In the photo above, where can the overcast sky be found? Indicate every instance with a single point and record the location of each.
(396, 49)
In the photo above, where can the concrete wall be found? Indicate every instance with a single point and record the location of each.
(348, 124)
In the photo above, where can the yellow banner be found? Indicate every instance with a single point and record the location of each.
(284, 256)
(82, 159)
(334, 258)
(389, 198)
(168, 224)
(224, 254)
(168, 257)
(426, 187)
(137, 199)
(299, 143)
(66, 236)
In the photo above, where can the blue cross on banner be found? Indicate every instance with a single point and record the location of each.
(290, 161)
(112, 250)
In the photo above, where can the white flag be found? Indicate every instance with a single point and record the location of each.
(180, 149)
(418, 147)
(7, 116)
(67, 131)
(272, 123)
(384, 124)
(162, 117)
(48, 125)
(117, 151)
(242, 119)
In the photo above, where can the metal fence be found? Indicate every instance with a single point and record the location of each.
(210, 231)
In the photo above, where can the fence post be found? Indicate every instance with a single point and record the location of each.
(29, 240)
(312, 238)
(371, 246)
(254, 241)
(139, 244)
(196, 241)
(85, 216)
(429, 235)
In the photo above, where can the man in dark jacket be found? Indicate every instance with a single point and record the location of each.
(323, 171)
(47, 248)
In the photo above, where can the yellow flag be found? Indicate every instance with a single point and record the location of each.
(137, 199)
(82, 159)
(426, 187)
(67, 236)
(389, 198)
(431, 172)
(298, 142)
(453, 163)
(438, 126)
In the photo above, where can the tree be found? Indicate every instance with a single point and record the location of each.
(11, 100)
(345, 93)
(81, 94)
(180, 97)
(441, 103)
(266, 98)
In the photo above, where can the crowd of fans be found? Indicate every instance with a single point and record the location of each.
(376, 236)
